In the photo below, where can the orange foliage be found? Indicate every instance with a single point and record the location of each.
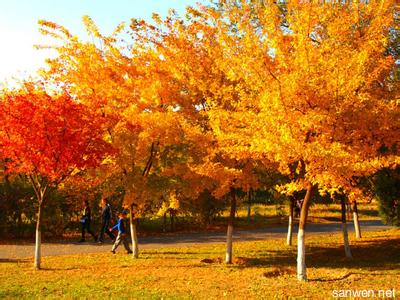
(303, 84)
(50, 136)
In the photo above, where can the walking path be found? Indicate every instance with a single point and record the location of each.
(26, 250)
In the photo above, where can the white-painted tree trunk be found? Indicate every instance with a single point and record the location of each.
(301, 256)
(344, 228)
(301, 248)
(356, 221)
(38, 245)
(38, 242)
(357, 225)
(134, 239)
(290, 230)
(290, 224)
(40, 188)
(229, 235)
(346, 241)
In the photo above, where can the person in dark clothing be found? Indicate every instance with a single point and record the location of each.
(121, 237)
(85, 221)
(297, 209)
(106, 215)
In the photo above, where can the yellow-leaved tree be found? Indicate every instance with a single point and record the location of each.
(314, 89)
(308, 88)
(144, 106)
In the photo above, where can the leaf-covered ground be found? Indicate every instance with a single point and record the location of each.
(260, 270)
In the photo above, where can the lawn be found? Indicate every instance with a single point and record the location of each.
(262, 216)
(273, 215)
(262, 269)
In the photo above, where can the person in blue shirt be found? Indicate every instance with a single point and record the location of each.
(121, 237)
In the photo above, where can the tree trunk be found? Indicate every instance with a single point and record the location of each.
(290, 224)
(301, 251)
(40, 187)
(344, 228)
(356, 221)
(228, 256)
(250, 198)
(165, 222)
(249, 213)
(20, 231)
(38, 242)
(135, 247)
(171, 217)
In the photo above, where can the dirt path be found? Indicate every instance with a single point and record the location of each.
(26, 250)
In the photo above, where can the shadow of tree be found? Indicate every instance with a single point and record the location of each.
(346, 276)
(369, 255)
(13, 260)
(333, 279)
(62, 269)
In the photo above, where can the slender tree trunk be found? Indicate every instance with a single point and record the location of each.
(171, 217)
(165, 222)
(249, 213)
(38, 242)
(290, 224)
(344, 228)
(250, 198)
(135, 246)
(356, 221)
(20, 232)
(301, 251)
(40, 187)
(228, 256)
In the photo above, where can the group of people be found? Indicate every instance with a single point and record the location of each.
(106, 215)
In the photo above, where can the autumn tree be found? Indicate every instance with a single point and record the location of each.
(48, 137)
(147, 108)
(314, 90)
(187, 52)
(307, 87)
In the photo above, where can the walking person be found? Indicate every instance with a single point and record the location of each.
(85, 222)
(121, 237)
(106, 214)
(297, 209)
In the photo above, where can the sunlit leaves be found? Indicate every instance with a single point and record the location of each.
(311, 85)
(241, 84)
(49, 135)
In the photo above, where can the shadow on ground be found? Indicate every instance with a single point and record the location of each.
(12, 260)
(377, 257)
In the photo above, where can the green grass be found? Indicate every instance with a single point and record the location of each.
(262, 216)
(262, 269)
(317, 213)
(276, 215)
(332, 212)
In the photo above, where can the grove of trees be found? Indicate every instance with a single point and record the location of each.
(300, 96)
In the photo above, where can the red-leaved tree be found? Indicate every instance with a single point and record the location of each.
(48, 138)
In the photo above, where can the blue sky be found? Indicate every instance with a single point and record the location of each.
(19, 29)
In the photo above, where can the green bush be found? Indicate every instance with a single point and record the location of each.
(205, 208)
(387, 192)
(18, 205)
